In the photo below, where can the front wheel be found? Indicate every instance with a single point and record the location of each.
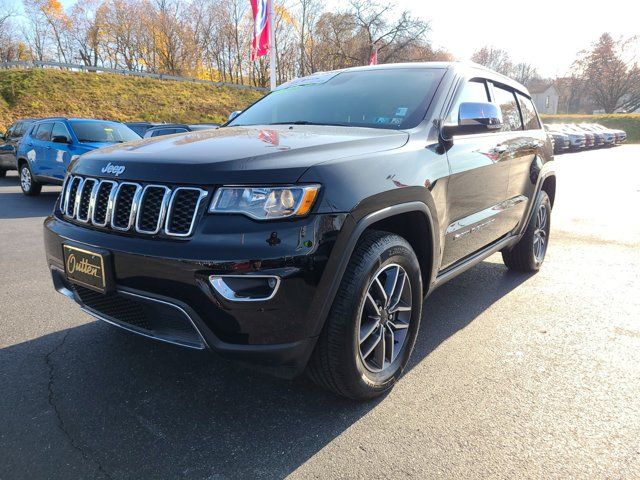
(28, 184)
(372, 326)
(528, 254)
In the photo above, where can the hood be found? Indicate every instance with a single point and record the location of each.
(274, 154)
(95, 145)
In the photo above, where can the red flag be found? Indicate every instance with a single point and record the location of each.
(374, 58)
(260, 44)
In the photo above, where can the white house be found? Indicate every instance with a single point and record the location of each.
(545, 97)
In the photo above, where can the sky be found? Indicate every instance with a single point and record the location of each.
(545, 33)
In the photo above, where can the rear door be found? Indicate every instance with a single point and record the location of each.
(522, 174)
(477, 186)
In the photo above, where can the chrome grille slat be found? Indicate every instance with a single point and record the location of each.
(84, 203)
(131, 207)
(149, 210)
(124, 205)
(169, 227)
(98, 218)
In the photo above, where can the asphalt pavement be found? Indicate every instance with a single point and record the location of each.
(513, 376)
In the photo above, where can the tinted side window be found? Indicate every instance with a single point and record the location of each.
(473, 91)
(59, 130)
(529, 117)
(506, 100)
(43, 132)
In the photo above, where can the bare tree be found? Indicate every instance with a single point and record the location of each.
(612, 78)
(494, 58)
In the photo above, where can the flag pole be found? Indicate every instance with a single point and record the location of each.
(272, 46)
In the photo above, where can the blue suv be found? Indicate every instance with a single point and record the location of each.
(45, 151)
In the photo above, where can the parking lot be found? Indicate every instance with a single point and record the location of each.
(513, 376)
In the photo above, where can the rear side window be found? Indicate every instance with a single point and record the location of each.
(506, 100)
(529, 117)
(43, 132)
(473, 91)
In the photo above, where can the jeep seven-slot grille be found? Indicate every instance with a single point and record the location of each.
(132, 207)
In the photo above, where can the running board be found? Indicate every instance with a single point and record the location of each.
(456, 270)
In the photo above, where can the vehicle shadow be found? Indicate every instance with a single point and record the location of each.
(93, 401)
(14, 204)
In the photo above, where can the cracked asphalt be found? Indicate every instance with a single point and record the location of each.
(513, 376)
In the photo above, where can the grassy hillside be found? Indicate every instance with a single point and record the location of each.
(43, 93)
(629, 122)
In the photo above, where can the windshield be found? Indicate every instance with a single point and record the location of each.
(393, 99)
(103, 132)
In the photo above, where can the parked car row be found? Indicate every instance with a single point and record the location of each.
(566, 136)
(41, 149)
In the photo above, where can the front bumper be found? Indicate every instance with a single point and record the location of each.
(163, 287)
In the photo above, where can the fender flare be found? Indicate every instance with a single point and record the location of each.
(345, 245)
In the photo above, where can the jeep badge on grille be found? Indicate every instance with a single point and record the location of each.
(115, 169)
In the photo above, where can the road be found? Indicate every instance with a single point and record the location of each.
(513, 376)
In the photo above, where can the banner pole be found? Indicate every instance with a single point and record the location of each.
(272, 46)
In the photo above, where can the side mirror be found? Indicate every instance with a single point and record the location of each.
(233, 115)
(60, 139)
(475, 117)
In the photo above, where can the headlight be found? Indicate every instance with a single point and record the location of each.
(265, 203)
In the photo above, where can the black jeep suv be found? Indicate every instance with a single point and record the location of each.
(305, 233)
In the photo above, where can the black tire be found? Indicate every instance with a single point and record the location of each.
(525, 255)
(3, 173)
(30, 187)
(337, 363)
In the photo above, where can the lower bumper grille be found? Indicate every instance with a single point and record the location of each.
(146, 316)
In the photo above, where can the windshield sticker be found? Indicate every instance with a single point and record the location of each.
(382, 120)
(317, 79)
(396, 121)
(401, 112)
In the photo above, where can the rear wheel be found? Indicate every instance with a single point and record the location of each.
(372, 326)
(28, 184)
(528, 254)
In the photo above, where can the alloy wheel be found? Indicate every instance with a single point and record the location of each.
(25, 179)
(385, 318)
(540, 234)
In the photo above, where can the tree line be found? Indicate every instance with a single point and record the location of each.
(605, 76)
(210, 39)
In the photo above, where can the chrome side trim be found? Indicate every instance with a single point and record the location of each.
(163, 210)
(203, 194)
(132, 211)
(220, 286)
(109, 202)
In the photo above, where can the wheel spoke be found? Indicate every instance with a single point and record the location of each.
(381, 291)
(373, 304)
(397, 325)
(397, 294)
(373, 345)
(379, 352)
(389, 338)
(390, 284)
(366, 331)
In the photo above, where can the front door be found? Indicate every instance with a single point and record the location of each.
(477, 186)
(59, 153)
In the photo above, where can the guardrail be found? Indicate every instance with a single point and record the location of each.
(91, 68)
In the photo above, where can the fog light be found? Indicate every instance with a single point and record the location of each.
(246, 288)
